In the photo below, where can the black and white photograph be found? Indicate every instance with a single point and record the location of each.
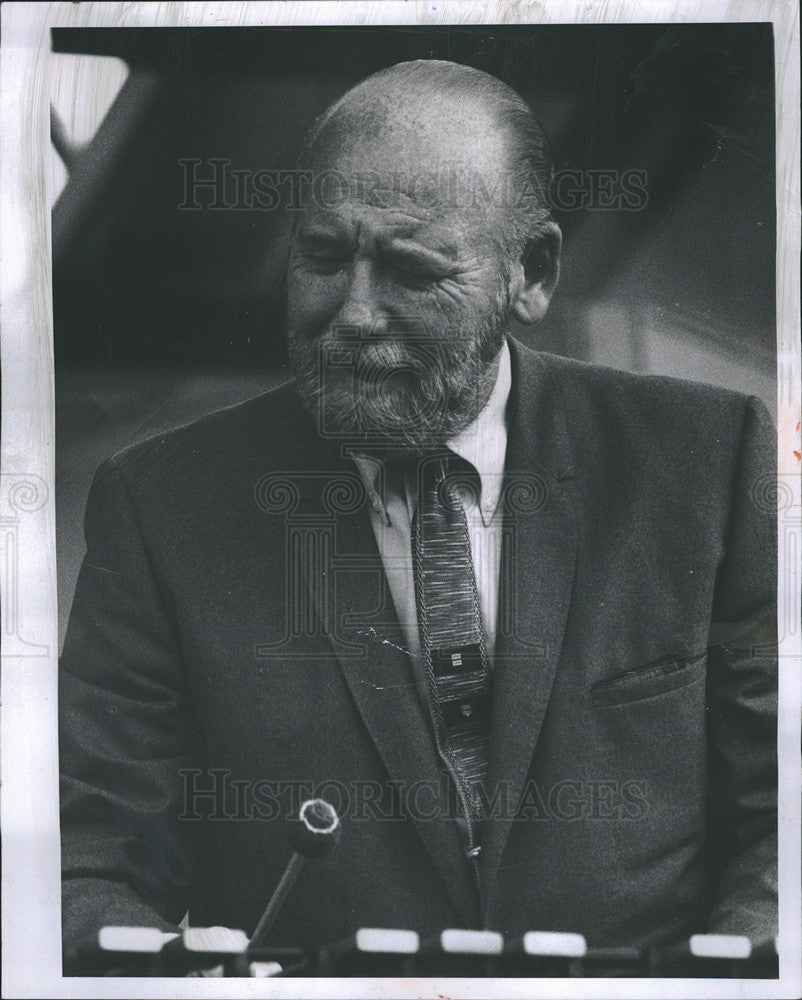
(401, 502)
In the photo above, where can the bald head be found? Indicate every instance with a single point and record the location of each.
(444, 132)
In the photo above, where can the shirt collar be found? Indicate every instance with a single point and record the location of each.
(483, 444)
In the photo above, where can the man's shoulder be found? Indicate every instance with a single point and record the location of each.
(269, 427)
(635, 423)
(618, 387)
(661, 407)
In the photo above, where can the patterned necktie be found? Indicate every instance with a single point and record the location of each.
(452, 640)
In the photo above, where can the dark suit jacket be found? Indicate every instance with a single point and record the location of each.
(231, 624)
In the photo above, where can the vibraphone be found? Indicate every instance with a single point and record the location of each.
(384, 952)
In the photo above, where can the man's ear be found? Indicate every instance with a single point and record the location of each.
(535, 274)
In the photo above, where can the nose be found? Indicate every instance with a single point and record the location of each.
(361, 308)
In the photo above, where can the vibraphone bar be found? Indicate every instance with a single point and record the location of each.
(387, 952)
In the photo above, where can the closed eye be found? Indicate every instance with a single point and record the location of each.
(412, 275)
(325, 253)
(414, 269)
(322, 263)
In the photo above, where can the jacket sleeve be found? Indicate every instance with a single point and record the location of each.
(125, 732)
(742, 697)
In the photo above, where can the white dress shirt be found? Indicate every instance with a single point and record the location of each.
(483, 444)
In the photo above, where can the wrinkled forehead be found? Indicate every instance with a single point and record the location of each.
(402, 223)
(450, 208)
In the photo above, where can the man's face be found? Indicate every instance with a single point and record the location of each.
(397, 303)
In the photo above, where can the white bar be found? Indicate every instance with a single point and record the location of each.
(465, 942)
(147, 940)
(264, 970)
(216, 939)
(720, 946)
(388, 940)
(555, 943)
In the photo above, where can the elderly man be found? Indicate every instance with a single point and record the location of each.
(509, 613)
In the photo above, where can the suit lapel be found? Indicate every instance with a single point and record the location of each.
(537, 572)
(358, 614)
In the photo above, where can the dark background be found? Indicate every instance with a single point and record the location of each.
(161, 313)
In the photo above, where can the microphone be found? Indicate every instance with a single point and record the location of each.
(313, 834)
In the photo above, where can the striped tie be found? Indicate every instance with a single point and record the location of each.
(450, 621)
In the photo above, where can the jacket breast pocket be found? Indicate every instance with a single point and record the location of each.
(648, 681)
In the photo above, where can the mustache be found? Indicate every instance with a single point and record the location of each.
(395, 351)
